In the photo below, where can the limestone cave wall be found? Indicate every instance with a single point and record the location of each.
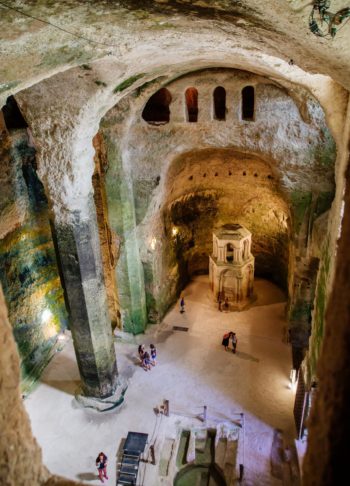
(328, 427)
(275, 174)
(20, 455)
(323, 245)
(28, 266)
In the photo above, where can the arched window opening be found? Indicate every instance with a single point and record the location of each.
(220, 103)
(248, 103)
(229, 252)
(191, 96)
(156, 111)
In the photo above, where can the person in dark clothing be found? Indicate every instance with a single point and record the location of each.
(182, 305)
(146, 361)
(153, 354)
(141, 351)
(101, 464)
(226, 339)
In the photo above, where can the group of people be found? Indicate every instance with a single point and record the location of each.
(148, 359)
(230, 336)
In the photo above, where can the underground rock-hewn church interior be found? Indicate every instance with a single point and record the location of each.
(174, 242)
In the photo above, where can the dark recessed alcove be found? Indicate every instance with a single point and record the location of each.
(157, 111)
(12, 115)
(219, 96)
(248, 102)
(191, 96)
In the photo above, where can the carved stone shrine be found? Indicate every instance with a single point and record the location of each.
(231, 267)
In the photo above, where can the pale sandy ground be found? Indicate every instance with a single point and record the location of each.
(193, 370)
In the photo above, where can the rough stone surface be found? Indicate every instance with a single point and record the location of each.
(329, 427)
(109, 241)
(14, 204)
(20, 455)
(29, 273)
(16, 438)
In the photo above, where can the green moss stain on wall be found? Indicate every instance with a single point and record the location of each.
(325, 152)
(301, 202)
(29, 274)
(151, 302)
(308, 273)
(307, 206)
(301, 311)
(319, 313)
(143, 193)
(138, 91)
(324, 202)
(174, 273)
(129, 270)
(127, 83)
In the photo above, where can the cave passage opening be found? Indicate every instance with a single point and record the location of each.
(195, 207)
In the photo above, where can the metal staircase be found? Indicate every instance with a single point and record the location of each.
(129, 466)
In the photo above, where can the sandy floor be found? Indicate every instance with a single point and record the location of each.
(193, 370)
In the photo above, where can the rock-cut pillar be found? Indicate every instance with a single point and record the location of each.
(78, 248)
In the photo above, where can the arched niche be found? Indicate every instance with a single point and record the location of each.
(248, 103)
(219, 99)
(157, 111)
(191, 97)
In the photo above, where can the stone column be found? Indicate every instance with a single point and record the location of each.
(122, 219)
(78, 247)
(178, 108)
(205, 104)
(251, 281)
(62, 127)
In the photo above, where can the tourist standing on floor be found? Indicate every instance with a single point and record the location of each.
(146, 362)
(182, 305)
(101, 463)
(141, 351)
(153, 354)
(226, 339)
(234, 342)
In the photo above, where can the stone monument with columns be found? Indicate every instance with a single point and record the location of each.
(231, 267)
